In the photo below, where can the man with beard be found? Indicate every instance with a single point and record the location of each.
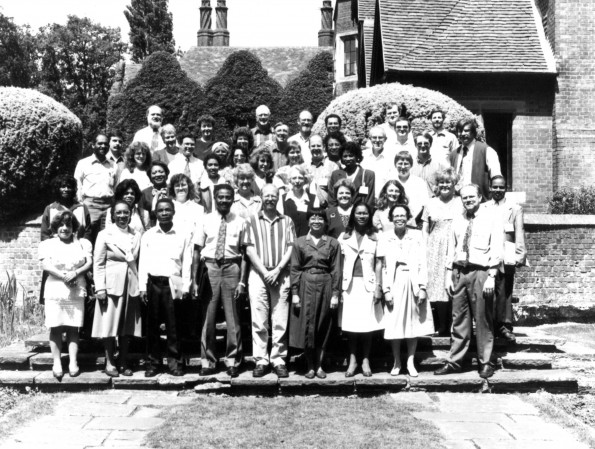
(96, 179)
(515, 255)
(262, 132)
(220, 244)
(305, 122)
(150, 134)
(473, 257)
(444, 142)
(269, 242)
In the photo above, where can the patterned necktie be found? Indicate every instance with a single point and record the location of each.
(465, 151)
(155, 141)
(187, 168)
(220, 249)
(467, 237)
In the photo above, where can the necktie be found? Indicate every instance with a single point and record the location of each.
(465, 151)
(467, 237)
(220, 249)
(155, 141)
(187, 169)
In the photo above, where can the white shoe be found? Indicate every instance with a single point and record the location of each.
(395, 371)
(411, 368)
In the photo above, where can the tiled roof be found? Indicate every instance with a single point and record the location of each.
(368, 27)
(464, 36)
(365, 9)
(282, 63)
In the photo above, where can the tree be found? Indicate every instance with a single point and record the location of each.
(160, 81)
(78, 66)
(240, 86)
(17, 54)
(312, 89)
(151, 28)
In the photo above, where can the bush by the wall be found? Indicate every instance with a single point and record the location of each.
(311, 90)
(569, 200)
(362, 109)
(160, 81)
(39, 138)
(240, 86)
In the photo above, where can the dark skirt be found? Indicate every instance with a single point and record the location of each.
(310, 326)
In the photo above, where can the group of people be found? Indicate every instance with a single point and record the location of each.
(404, 235)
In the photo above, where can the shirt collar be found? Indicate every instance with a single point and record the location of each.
(161, 231)
(305, 198)
(230, 216)
(262, 216)
(427, 162)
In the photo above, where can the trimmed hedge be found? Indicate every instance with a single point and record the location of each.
(160, 81)
(362, 109)
(570, 200)
(239, 87)
(39, 138)
(311, 90)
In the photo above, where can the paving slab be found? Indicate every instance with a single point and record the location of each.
(129, 436)
(414, 397)
(469, 381)
(213, 387)
(463, 403)
(465, 431)
(527, 360)
(379, 382)
(459, 444)
(543, 431)
(94, 409)
(335, 382)
(535, 444)
(136, 381)
(100, 397)
(18, 378)
(56, 422)
(15, 358)
(468, 417)
(95, 380)
(122, 423)
(553, 381)
(246, 382)
(147, 412)
(158, 399)
(57, 436)
(188, 380)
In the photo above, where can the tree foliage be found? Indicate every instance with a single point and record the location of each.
(239, 87)
(151, 28)
(160, 81)
(312, 89)
(17, 54)
(78, 62)
(40, 138)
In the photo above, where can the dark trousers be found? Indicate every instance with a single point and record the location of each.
(160, 309)
(468, 303)
(220, 289)
(503, 299)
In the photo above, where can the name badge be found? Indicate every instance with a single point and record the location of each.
(363, 190)
(508, 227)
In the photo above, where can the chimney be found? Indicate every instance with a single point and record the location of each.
(204, 36)
(326, 35)
(221, 35)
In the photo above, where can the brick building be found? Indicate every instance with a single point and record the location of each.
(524, 66)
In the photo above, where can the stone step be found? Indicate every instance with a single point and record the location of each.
(503, 381)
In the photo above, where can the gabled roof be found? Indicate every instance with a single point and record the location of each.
(283, 63)
(464, 36)
(365, 9)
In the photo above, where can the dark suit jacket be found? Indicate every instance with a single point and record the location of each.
(364, 177)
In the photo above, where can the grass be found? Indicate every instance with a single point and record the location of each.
(220, 421)
(574, 412)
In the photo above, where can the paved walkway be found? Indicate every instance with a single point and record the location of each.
(123, 418)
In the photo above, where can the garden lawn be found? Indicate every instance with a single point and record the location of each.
(221, 421)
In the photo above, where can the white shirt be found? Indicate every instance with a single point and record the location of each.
(165, 254)
(95, 179)
(235, 235)
(188, 217)
(393, 145)
(178, 165)
(416, 190)
(442, 144)
(140, 176)
(304, 145)
(491, 161)
(382, 165)
(146, 135)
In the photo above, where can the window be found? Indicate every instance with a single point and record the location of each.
(350, 56)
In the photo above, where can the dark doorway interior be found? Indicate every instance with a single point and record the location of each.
(498, 128)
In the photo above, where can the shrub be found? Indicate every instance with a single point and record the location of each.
(240, 86)
(160, 81)
(570, 200)
(39, 138)
(362, 109)
(311, 90)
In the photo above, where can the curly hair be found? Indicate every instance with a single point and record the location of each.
(354, 148)
(123, 187)
(242, 132)
(344, 182)
(176, 180)
(64, 218)
(63, 180)
(131, 151)
(257, 155)
(382, 202)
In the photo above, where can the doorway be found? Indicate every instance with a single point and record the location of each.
(498, 129)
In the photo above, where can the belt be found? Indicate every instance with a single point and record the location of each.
(316, 271)
(102, 199)
(160, 280)
(223, 261)
(469, 267)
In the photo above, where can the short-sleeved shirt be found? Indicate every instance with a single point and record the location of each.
(235, 235)
(270, 238)
(95, 179)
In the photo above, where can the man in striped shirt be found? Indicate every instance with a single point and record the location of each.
(269, 240)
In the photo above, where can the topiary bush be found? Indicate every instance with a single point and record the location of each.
(312, 89)
(570, 200)
(39, 138)
(240, 86)
(362, 109)
(160, 81)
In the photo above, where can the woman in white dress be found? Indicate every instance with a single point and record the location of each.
(138, 161)
(404, 278)
(66, 259)
(189, 214)
(361, 311)
(115, 272)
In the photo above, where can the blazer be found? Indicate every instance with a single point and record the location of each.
(413, 254)
(367, 254)
(110, 269)
(364, 180)
(335, 224)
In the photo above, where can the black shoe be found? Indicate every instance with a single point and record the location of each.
(260, 371)
(447, 369)
(486, 371)
(151, 371)
(281, 371)
(233, 371)
(207, 371)
(176, 372)
(508, 336)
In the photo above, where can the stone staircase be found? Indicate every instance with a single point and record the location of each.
(536, 362)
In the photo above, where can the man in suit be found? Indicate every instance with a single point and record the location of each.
(515, 255)
(474, 161)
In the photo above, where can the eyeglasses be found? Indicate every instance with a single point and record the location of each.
(402, 127)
